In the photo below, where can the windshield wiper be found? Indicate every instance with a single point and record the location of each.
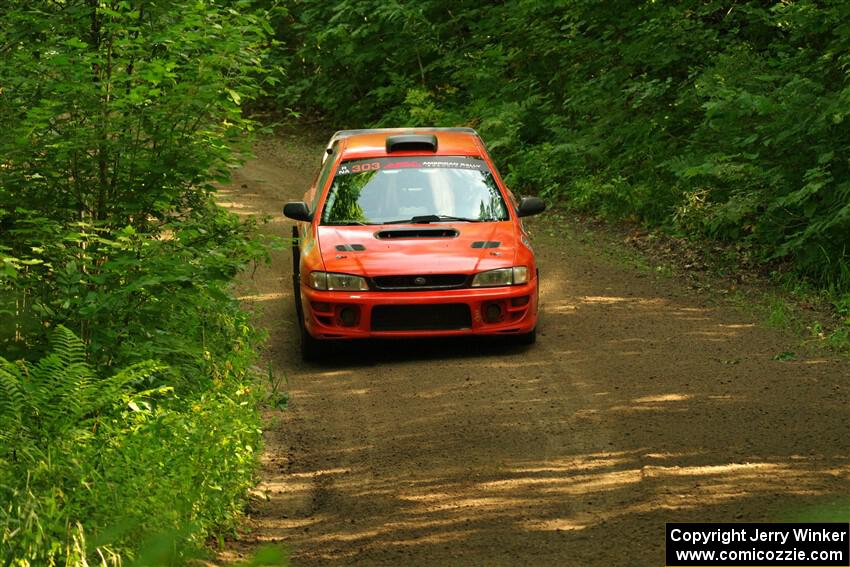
(345, 223)
(425, 219)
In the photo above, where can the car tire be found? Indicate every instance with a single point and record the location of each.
(312, 349)
(296, 277)
(526, 338)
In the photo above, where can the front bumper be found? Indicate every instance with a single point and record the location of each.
(324, 317)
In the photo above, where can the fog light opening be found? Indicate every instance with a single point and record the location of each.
(348, 316)
(493, 312)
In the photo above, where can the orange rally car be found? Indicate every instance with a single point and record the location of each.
(411, 233)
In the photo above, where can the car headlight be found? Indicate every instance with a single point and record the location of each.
(329, 281)
(503, 276)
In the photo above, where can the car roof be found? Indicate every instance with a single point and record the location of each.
(366, 143)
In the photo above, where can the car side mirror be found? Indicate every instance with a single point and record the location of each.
(531, 206)
(297, 210)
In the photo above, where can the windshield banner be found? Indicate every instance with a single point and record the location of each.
(411, 162)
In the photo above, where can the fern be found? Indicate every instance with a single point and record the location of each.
(13, 395)
(60, 393)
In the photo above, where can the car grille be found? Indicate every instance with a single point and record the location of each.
(420, 282)
(440, 317)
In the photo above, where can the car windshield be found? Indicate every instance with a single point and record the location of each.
(415, 190)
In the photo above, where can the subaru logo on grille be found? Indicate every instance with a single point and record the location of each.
(419, 280)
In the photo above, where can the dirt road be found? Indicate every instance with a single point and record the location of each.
(642, 403)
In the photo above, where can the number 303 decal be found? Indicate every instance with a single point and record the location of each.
(365, 167)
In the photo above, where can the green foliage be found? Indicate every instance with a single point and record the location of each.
(138, 295)
(40, 401)
(119, 117)
(785, 356)
(713, 119)
(114, 459)
(122, 111)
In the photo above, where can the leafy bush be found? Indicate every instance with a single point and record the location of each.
(112, 458)
(119, 118)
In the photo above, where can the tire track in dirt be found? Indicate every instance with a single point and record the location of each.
(641, 403)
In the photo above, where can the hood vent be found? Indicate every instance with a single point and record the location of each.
(486, 244)
(416, 233)
(350, 247)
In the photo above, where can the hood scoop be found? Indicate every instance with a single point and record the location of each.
(397, 233)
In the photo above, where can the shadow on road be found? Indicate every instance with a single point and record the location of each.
(371, 352)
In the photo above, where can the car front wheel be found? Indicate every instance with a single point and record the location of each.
(312, 349)
(526, 338)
